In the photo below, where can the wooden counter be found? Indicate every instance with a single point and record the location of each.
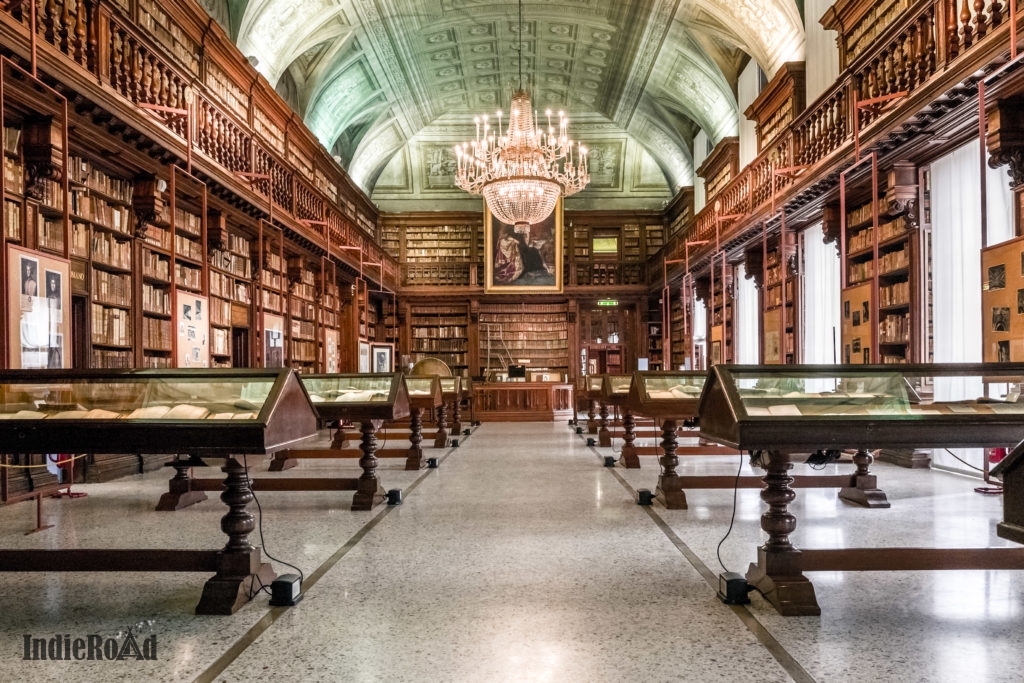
(524, 401)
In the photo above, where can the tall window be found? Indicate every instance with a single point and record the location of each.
(822, 307)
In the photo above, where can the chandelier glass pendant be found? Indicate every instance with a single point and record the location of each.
(522, 173)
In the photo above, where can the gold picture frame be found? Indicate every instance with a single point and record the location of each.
(518, 263)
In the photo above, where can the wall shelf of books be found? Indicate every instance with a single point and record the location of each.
(680, 329)
(655, 345)
(536, 336)
(721, 316)
(440, 331)
(151, 200)
(230, 272)
(190, 324)
(328, 316)
(879, 317)
(271, 298)
(440, 254)
(779, 300)
(302, 347)
(102, 231)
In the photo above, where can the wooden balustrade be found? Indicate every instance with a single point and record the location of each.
(891, 55)
(149, 53)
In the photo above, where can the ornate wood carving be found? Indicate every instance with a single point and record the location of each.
(753, 264)
(1005, 137)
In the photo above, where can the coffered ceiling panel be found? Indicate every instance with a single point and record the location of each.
(393, 83)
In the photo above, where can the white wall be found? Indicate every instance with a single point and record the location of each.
(700, 144)
(822, 60)
(747, 90)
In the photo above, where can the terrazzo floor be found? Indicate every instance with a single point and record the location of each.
(522, 558)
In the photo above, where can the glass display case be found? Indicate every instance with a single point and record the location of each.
(424, 388)
(615, 388)
(358, 396)
(777, 411)
(451, 387)
(594, 384)
(806, 407)
(672, 395)
(200, 411)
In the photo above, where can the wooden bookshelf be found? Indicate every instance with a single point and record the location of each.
(536, 336)
(780, 316)
(302, 327)
(440, 331)
(231, 287)
(880, 274)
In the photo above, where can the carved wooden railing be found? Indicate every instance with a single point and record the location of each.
(159, 54)
(924, 43)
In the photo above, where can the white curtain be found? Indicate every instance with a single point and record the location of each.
(700, 330)
(748, 318)
(747, 90)
(822, 53)
(956, 261)
(956, 266)
(822, 303)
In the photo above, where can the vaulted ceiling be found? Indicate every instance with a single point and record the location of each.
(389, 86)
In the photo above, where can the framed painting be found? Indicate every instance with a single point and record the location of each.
(382, 358)
(273, 341)
(364, 356)
(193, 325)
(518, 261)
(39, 315)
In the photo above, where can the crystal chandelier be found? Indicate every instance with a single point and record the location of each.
(521, 174)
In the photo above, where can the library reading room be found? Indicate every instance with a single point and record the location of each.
(724, 297)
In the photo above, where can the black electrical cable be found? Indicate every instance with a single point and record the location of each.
(259, 508)
(973, 467)
(732, 519)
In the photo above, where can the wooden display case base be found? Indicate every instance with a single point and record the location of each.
(778, 578)
(670, 493)
(912, 459)
(177, 500)
(368, 496)
(865, 492)
(226, 594)
(629, 458)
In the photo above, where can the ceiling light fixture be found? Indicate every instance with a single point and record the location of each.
(521, 174)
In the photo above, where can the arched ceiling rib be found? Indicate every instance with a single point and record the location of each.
(638, 77)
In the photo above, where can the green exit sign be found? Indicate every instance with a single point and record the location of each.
(607, 302)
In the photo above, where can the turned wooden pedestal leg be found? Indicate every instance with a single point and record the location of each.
(441, 437)
(240, 571)
(456, 417)
(179, 487)
(864, 489)
(415, 460)
(629, 458)
(604, 437)
(777, 572)
(670, 489)
(369, 492)
(592, 418)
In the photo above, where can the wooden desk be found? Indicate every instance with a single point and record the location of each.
(524, 401)
(784, 410)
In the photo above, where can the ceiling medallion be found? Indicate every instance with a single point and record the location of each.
(522, 173)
